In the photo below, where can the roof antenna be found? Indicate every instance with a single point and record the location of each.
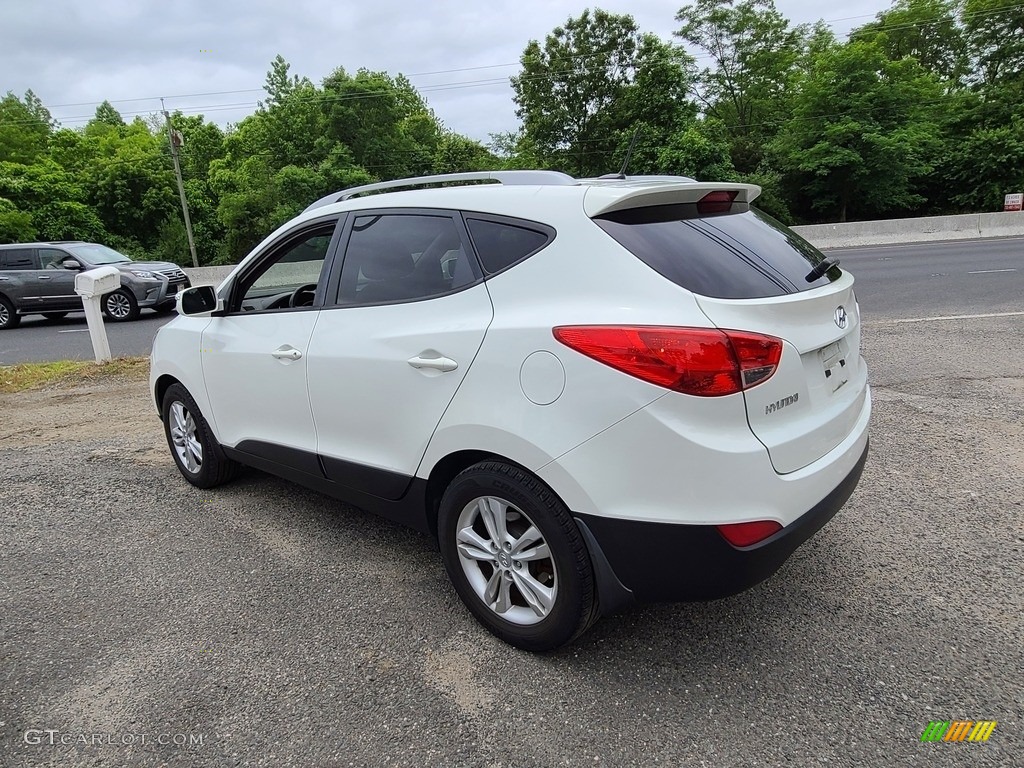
(621, 175)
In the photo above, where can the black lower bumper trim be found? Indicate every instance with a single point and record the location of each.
(669, 562)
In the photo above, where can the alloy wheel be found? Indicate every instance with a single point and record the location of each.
(119, 306)
(186, 442)
(506, 560)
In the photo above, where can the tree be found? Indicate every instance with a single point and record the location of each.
(15, 226)
(567, 91)
(457, 154)
(382, 120)
(130, 184)
(25, 127)
(754, 53)
(862, 133)
(994, 31)
(925, 30)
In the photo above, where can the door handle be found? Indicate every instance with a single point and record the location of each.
(286, 353)
(443, 364)
(45, 277)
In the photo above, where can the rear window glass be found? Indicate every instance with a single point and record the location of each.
(742, 255)
(16, 258)
(501, 244)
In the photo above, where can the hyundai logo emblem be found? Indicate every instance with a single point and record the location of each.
(840, 316)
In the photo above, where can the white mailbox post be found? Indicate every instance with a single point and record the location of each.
(92, 285)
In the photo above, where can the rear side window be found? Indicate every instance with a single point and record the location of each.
(742, 255)
(500, 244)
(16, 258)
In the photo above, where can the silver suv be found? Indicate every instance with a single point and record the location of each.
(39, 279)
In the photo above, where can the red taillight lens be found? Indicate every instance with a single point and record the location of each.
(696, 361)
(716, 202)
(745, 534)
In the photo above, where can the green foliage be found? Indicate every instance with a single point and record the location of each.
(920, 112)
(700, 152)
(457, 154)
(925, 30)
(754, 53)
(15, 226)
(25, 126)
(67, 220)
(862, 133)
(593, 80)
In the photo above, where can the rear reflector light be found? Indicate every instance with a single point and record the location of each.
(695, 361)
(745, 534)
(716, 202)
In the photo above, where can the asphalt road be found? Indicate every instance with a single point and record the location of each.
(919, 280)
(931, 279)
(260, 624)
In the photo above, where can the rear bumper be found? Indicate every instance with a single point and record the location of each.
(672, 562)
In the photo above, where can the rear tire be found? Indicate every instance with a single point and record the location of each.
(197, 453)
(9, 318)
(516, 557)
(120, 306)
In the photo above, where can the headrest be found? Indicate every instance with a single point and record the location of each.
(387, 260)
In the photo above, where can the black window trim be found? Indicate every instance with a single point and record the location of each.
(334, 281)
(272, 250)
(548, 231)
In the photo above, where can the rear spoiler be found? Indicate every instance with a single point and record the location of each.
(606, 198)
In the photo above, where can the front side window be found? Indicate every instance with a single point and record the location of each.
(403, 257)
(51, 258)
(289, 276)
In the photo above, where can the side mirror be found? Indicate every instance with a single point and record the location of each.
(199, 301)
(71, 264)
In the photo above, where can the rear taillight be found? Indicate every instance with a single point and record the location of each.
(745, 534)
(716, 202)
(696, 361)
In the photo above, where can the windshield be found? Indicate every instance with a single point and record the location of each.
(97, 254)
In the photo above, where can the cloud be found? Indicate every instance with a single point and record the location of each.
(212, 56)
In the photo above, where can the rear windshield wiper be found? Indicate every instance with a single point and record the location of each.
(824, 266)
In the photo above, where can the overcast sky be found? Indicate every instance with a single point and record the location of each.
(212, 57)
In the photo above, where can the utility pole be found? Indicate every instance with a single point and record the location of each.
(175, 139)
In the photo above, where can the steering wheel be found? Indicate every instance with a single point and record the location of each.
(302, 296)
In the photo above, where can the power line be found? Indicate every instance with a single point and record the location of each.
(479, 83)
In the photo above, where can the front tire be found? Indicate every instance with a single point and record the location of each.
(197, 453)
(9, 317)
(516, 557)
(120, 306)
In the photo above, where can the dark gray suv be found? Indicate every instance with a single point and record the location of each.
(39, 279)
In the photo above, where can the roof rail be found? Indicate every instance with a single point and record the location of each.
(553, 178)
(642, 178)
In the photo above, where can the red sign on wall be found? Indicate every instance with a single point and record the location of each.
(1013, 202)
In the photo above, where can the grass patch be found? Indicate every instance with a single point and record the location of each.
(26, 376)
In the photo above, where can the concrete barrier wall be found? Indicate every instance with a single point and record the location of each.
(846, 235)
(207, 275)
(892, 231)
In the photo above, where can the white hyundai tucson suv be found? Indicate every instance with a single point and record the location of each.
(592, 392)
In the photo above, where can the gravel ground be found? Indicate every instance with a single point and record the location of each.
(284, 629)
